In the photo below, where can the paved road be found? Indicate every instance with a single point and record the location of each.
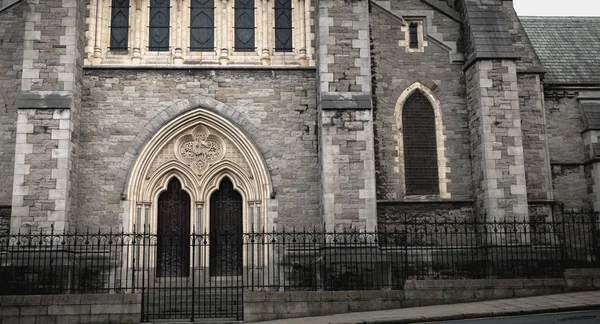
(584, 317)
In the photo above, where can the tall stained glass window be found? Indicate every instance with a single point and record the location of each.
(119, 25)
(283, 25)
(420, 146)
(202, 25)
(160, 13)
(244, 25)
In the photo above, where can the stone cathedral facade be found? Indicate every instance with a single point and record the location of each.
(295, 113)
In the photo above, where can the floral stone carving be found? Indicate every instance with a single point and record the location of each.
(200, 148)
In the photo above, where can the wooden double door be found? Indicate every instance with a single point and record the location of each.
(174, 239)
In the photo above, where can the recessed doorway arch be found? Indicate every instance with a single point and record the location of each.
(200, 148)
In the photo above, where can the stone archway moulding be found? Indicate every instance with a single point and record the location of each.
(200, 148)
(439, 134)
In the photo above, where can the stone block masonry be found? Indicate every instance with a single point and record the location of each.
(41, 170)
(395, 71)
(264, 306)
(277, 109)
(535, 144)
(343, 46)
(47, 122)
(345, 115)
(496, 140)
(11, 55)
(348, 169)
(77, 308)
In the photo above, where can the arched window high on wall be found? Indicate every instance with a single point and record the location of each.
(160, 20)
(244, 25)
(283, 25)
(421, 175)
(202, 25)
(119, 25)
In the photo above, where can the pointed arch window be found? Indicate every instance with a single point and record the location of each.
(283, 25)
(160, 19)
(202, 25)
(119, 25)
(244, 25)
(420, 146)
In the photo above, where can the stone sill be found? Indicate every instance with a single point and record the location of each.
(199, 67)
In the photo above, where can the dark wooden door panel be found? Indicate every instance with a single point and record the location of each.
(226, 231)
(173, 249)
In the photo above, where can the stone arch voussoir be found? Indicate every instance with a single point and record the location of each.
(181, 107)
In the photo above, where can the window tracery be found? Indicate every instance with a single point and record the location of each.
(223, 32)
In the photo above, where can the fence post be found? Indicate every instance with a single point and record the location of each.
(595, 219)
(193, 273)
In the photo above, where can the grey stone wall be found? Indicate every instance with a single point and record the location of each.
(47, 122)
(345, 118)
(570, 185)
(496, 140)
(12, 26)
(348, 169)
(4, 220)
(279, 106)
(520, 40)
(264, 306)
(535, 144)
(564, 128)
(343, 46)
(393, 213)
(566, 149)
(393, 72)
(76, 308)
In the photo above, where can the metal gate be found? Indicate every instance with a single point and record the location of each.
(193, 296)
(194, 276)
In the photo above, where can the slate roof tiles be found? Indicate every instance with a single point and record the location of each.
(568, 47)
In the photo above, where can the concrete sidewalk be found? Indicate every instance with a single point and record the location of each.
(503, 307)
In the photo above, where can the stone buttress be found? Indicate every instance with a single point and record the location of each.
(44, 192)
(345, 115)
(497, 154)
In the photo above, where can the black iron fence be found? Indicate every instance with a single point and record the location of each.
(203, 275)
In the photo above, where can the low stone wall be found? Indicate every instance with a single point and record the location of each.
(261, 306)
(65, 309)
(582, 279)
(438, 292)
(264, 306)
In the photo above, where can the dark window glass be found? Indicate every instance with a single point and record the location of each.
(414, 35)
(119, 25)
(244, 25)
(202, 25)
(160, 14)
(283, 25)
(420, 147)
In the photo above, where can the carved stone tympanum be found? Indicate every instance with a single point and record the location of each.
(199, 149)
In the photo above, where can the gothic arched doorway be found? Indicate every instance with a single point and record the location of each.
(226, 231)
(173, 232)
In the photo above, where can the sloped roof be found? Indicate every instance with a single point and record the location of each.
(568, 47)
(489, 34)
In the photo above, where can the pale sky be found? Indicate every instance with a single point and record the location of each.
(557, 7)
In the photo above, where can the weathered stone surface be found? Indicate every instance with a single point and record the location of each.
(12, 25)
(279, 107)
(78, 308)
(391, 77)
